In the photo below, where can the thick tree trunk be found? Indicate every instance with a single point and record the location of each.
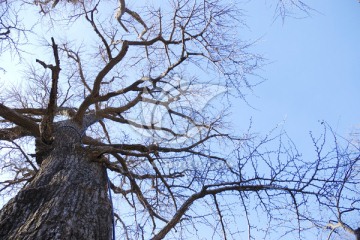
(67, 199)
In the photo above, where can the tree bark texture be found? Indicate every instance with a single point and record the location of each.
(67, 199)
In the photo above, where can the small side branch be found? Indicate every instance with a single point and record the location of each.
(120, 12)
(220, 216)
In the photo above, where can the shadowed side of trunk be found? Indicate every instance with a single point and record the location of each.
(66, 200)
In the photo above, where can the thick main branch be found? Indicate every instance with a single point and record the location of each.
(20, 120)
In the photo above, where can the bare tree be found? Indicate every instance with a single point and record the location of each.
(183, 172)
(12, 30)
(344, 205)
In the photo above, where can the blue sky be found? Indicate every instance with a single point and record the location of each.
(312, 71)
(314, 68)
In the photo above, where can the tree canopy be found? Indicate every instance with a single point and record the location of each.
(146, 89)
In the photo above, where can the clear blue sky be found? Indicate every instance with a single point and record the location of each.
(314, 68)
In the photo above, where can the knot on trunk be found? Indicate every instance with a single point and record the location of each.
(67, 136)
(42, 150)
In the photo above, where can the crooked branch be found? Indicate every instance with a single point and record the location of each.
(46, 126)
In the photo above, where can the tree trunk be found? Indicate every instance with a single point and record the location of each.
(357, 233)
(67, 199)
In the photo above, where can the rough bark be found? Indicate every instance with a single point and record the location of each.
(67, 199)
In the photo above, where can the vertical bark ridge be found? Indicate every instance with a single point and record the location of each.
(66, 200)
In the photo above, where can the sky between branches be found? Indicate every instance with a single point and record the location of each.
(313, 70)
